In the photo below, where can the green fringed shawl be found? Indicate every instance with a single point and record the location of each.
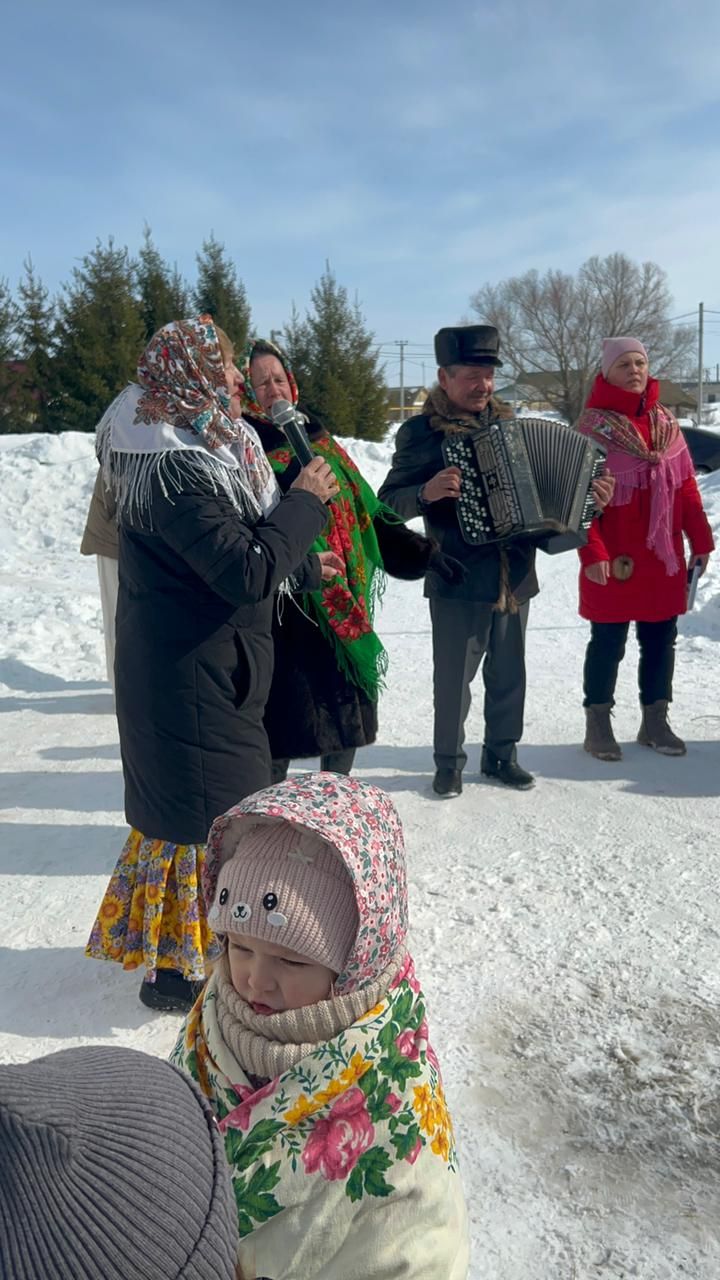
(344, 608)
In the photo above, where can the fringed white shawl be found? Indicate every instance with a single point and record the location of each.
(134, 454)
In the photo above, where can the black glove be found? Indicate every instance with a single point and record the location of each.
(447, 567)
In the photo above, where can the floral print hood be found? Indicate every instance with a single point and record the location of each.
(360, 822)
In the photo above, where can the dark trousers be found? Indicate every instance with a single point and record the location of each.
(333, 762)
(605, 653)
(464, 632)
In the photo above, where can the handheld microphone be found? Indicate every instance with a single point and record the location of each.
(292, 424)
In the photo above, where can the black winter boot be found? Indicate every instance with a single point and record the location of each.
(279, 770)
(338, 761)
(170, 992)
(447, 783)
(506, 771)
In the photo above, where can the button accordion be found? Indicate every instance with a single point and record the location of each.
(525, 477)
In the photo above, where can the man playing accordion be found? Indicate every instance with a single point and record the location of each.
(486, 615)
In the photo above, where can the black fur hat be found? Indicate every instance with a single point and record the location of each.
(467, 344)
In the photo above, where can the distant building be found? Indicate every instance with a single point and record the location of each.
(677, 398)
(414, 399)
(526, 394)
(711, 391)
(530, 392)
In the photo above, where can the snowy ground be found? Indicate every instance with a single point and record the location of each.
(567, 937)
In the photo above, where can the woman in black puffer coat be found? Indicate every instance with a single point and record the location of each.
(205, 541)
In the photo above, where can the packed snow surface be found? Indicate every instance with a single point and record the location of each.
(567, 937)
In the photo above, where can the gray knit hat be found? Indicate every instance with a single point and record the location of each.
(111, 1168)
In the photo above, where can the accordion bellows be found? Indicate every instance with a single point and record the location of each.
(525, 477)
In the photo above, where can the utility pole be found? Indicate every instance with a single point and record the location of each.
(402, 345)
(701, 322)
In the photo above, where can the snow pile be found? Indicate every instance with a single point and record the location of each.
(372, 457)
(567, 937)
(55, 624)
(703, 624)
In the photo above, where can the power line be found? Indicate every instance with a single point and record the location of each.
(401, 343)
(427, 354)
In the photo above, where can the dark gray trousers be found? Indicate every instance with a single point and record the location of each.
(464, 632)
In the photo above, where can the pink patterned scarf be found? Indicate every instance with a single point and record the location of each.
(663, 468)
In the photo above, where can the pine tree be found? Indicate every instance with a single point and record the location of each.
(295, 342)
(368, 388)
(8, 371)
(219, 292)
(35, 324)
(100, 335)
(163, 293)
(180, 293)
(339, 376)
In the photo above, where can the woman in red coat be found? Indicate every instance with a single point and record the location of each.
(633, 565)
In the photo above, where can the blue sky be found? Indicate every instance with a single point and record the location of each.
(423, 149)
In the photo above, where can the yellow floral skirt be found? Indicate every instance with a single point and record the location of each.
(152, 913)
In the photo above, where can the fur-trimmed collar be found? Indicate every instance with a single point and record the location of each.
(444, 416)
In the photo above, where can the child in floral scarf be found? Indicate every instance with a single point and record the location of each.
(311, 1042)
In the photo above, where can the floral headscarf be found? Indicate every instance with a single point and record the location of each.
(180, 405)
(183, 373)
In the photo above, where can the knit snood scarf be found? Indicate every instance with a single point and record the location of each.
(265, 1046)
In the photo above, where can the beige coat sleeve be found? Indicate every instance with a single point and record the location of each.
(100, 537)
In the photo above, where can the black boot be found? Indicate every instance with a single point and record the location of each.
(338, 761)
(279, 770)
(170, 992)
(506, 771)
(447, 783)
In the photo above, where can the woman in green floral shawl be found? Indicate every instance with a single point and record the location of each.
(329, 661)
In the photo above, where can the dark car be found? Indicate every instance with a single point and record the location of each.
(704, 448)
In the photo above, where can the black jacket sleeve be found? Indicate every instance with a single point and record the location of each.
(243, 563)
(417, 458)
(405, 554)
(307, 576)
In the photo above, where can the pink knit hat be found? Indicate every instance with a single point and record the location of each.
(613, 348)
(288, 886)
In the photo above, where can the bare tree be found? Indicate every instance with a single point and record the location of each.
(554, 324)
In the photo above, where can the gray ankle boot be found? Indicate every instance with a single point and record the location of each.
(599, 737)
(656, 732)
